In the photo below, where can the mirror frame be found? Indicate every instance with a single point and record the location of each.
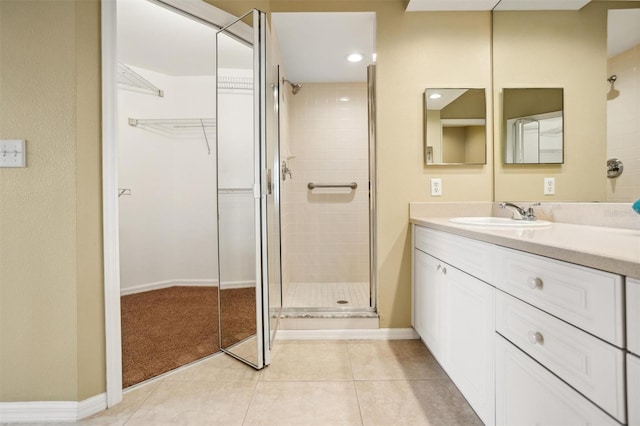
(505, 126)
(425, 138)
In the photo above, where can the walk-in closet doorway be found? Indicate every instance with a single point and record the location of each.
(189, 213)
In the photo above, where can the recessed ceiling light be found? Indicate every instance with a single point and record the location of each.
(344, 99)
(435, 96)
(354, 57)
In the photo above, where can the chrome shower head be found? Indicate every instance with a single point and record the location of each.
(295, 88)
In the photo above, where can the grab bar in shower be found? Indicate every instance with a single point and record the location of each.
(351, 185)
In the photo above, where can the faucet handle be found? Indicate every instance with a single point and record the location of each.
(531, 214)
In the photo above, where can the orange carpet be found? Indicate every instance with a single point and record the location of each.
(167, 328)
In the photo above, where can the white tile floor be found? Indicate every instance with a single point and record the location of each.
(327, 295)
(356, 382)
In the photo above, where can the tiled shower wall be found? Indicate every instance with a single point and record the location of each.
(623, 126)
(326, 231)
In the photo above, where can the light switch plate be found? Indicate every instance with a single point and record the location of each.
(13, 153)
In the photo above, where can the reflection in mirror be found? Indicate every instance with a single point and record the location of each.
(455, 126)
(623, 97)
(237, 238)
(533, 126)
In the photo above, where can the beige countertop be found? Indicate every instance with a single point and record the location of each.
(608, 249)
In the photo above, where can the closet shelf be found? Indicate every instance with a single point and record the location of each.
(129, 79)
(175, 126)
(234, 83)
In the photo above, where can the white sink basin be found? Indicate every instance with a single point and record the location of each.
(498, 221)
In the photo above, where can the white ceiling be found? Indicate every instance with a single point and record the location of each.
(147, 39)
(315, 46)
(541, 4)
(623, 30)
(462, 5)
(448, 96)
(445, 5)
(155, 38)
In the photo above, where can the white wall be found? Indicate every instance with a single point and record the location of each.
(623, 126)
(236, 174)
(168, 223)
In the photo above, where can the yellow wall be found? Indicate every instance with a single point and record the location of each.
(51, 305)
(415, 51)
(555, 49)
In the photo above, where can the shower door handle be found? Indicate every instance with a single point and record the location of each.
(269, 182)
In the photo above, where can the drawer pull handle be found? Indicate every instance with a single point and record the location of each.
(442, 268)
(535, 338)
(534, 282)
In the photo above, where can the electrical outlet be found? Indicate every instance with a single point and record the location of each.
(549, 186)
(436, 187)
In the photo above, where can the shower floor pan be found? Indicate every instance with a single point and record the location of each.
(339, 297)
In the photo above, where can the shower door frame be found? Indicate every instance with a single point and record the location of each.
(373, 207)
(373, 184)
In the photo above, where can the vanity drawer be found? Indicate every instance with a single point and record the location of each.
(593, 367)
(470, 256)
(528, 394)
(633, 315)
(587, 298)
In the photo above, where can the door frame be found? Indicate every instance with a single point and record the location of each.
(257, 38)
(195, 9)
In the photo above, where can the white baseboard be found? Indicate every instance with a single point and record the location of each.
(362, 334)
(237, 284)
(166, 284)
(51, 411)
(185, 283)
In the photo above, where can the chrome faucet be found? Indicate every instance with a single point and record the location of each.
(285, 171)
(518, 213)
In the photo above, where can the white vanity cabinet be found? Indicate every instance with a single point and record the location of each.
(427, 300)
(453, 313)
(633, 389)
(633, 345)
(528, 394)
(528, 339)
(570, 320)
(469, 339)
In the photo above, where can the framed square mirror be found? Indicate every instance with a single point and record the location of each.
(455, 126)
(533, 126)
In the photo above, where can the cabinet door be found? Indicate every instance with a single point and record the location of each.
(528, 394)
(633, 389)
(633, 315)
(469, 339)
(428, 300)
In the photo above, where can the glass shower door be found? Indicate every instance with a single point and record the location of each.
(242, 190)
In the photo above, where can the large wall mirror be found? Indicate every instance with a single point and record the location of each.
(575, 51)
(533, 126)
(455, 126)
